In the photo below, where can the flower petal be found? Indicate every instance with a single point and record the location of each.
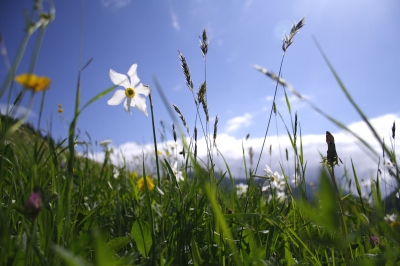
(132, 74)
(27, 80)
(127, 105)
(140, 103)
(117, 98)
(119, 79)
(142, 90)
(43, 83)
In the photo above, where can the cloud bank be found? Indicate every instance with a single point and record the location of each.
(233, 150)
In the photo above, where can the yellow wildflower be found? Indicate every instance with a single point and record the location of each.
(33, 82)
(140, 183)
(60, 110)
(396, 226)
(134, 175)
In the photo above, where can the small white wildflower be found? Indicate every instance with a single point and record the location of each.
(390, 217)
(178, 174)
(104, 143)
(295, 180)
(268, 171)
(281, 195)
(241, 189)
(275, 181)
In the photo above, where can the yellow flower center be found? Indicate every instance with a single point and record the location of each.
(130, 92)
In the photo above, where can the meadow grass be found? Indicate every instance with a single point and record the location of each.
(60, 207)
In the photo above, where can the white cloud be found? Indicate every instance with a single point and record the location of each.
(175, 22)
(115, 3)
(238, 122)
(17, 111)
(348, 148)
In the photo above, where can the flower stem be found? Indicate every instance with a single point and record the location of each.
(344, 234)
(270, 114)
(155, 141)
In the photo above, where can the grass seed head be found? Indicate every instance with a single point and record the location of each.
(202, 92)
(174, 131)
(186, 71)
(181, 117)
(270, 74)
(287, 155)
(394, 130)
(204, 43)
(288, 40)
(251, 155)
(215, 129)
(205, 109)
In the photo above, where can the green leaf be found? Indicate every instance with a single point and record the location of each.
(69, 258)
(141, 233)
(103, 256)
(197, 260)
(328, 215)
(117, 243)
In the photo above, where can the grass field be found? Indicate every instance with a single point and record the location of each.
(60, 207)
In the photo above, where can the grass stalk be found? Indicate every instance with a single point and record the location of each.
(155, 142)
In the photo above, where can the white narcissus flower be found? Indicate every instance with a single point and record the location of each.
(178, 174)
(275, 180)
(268, 171)
(131, 92)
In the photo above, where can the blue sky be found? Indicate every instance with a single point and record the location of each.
(359, 37)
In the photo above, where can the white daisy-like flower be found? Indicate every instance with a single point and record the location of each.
(178, 174)
(241, 189)
(390, 217)
(104, 143)
(274, 180)
(132, 90)
(268, 171)
(295, 180)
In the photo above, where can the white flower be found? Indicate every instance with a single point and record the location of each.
(241, 188)
(390, 217)
(178, 174)
(131, 92)
(268, 171)
(104, 143)
(274, 181)
(295, 180)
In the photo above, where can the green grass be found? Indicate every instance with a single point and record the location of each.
(95, 213)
